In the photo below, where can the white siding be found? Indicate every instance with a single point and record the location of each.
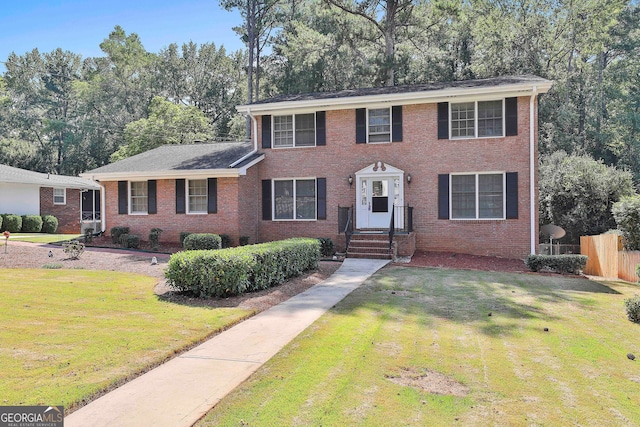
(21, 199)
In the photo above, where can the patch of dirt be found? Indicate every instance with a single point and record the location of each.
(466, 262)
(429, 381)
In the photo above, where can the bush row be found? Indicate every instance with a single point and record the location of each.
(28, 223)
(233, 271)
(573, 264)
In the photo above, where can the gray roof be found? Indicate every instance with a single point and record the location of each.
(389, 90)
(218, 155)
(10, 174)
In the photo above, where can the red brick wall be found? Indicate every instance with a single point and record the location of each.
(68, 214)
(423, 156)
(225, 221)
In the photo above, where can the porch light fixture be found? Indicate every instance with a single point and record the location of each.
(350, 179)
(408, 178)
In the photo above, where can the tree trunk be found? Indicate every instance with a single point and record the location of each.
(390, 41)
(251, 7)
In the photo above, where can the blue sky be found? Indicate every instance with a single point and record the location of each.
(80, 26)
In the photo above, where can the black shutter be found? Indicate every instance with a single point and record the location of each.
(321, 184)
(396, 123)
(361, 125)
(443, 196)
(152, 201)
(443, 120)
(511, 116)
(180, 198)
(212, 195)
(266, 131)
(266, 199)
(512, 195)
(123, 190)
(321, 129)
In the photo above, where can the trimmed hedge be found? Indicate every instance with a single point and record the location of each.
(183, 235)
(573, 264)
(31, 223)
(154, 238)
(233, 271)
(130, 241)
(11, 223)
(49, 224)
(201, 241)
(116, 232)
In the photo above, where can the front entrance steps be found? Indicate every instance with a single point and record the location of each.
(370, 245)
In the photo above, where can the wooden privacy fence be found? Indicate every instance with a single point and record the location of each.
(607, 259)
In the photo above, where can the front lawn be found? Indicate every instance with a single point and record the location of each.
(69, 334)
(417, 347)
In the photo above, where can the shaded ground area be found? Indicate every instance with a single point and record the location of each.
(466, 262)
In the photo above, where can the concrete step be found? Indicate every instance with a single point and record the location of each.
(368, 256)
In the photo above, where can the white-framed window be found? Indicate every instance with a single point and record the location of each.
(197, 196)
(379, 125)
(477, 119)
(294, 199)
(59, 196)
(297, 130)
(138, 197)
(478, 196)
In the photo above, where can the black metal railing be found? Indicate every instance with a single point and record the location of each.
(401, 222)
(392, 227)
(345, 223)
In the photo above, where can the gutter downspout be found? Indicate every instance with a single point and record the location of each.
(532, 175)
(255, 141)
(103, 204)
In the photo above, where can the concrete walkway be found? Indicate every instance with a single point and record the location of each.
(181, 391)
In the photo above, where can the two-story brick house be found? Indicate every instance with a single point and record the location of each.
(455, 163)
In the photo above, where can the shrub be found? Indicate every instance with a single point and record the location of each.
(237, 270)
(52, 266)
(183, 235)
(627, 215)
(130, 241)
(73, 248)
(12, 223)
(49, 224)
(88, 235)
(638, 271)
(243, 240)
(559, 263)
(633, 308)
(154, 238)
(226, 241)
(116, 232)
(202, 241)
(327, 248)
(31, 223)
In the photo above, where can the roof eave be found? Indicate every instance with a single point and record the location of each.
(168, 174)
(418, 97)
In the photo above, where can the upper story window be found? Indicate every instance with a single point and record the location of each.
(139, 195)
(477, 119)
(379, 125)
(59, 196)
(197, 195)
(478, 196)
(298, 130)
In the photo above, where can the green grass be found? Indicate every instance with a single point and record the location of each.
(68, 334)
(406, 320)
(42, 237)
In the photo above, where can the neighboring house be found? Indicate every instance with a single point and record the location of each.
(455, 163)
(74, 201)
